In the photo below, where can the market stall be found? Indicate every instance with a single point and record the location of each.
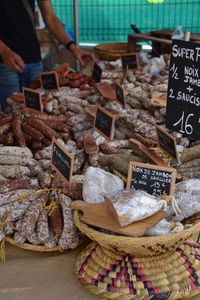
(112, 146)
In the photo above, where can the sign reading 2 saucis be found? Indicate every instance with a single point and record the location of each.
(183, 99)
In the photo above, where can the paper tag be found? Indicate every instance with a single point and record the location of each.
(2, 235)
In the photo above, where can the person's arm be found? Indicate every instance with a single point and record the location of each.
(57, 29)
(11, 59)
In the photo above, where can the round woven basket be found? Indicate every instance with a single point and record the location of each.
(112, 275)
(40, 248)
(112, 51)
(141, 246)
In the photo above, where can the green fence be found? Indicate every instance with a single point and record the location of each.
(109, 20)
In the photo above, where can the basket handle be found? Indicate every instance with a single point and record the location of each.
(79, 205)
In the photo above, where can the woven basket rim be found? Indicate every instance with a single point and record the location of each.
(113, 51)
(144, 239)
(40, 248)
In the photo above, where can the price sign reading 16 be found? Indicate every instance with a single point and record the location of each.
(184, 123)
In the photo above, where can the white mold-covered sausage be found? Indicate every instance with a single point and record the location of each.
(42, 227)
(16, 151)
(69, 238)
(14, 171)
(32, 214)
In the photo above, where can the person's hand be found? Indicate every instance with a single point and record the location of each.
(12, 60)
(86, 58)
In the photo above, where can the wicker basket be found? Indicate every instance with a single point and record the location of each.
(141, 246)
(40, 248)
(112, 275)
(112, 51)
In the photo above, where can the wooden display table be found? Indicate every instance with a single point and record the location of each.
(161, 40)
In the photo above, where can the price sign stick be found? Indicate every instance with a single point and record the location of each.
(167, 143)
(120, 97)
(133, 143)
(62, 160)
(124, 75)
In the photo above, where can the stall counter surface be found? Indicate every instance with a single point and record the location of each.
(28, 275)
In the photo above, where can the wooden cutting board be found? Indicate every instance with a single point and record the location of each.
(106, 90)
(97, 214)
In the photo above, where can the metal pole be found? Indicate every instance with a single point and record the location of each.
(76, 32)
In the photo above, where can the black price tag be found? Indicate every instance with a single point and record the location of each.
(130, 61)
(119, 94)
(32, 100)
(167, 142)
(49, 80)
(62, 160)
(97, 73)
(155, 180)
(183, 98)
(104, 123)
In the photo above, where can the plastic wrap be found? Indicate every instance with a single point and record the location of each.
(131, 206)
(98, 184)
(187, 195)
(164, 227)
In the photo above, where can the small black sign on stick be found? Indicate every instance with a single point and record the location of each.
(97, 73)
(167, 143)
(32, 100)
(104, 123)
(183, 98)
(49, 80)
(130, 61)
(62, 161)
(155, 180)
(120, 94)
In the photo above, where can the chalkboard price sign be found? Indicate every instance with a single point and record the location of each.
(155, 180)
(183, 98)
(97, 73)
(62, 161)
(104, 123)
(32, 100)
(119, 94)
(130, 61)
(167, 142)
(49, 80)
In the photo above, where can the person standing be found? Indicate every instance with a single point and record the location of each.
(20, 57)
